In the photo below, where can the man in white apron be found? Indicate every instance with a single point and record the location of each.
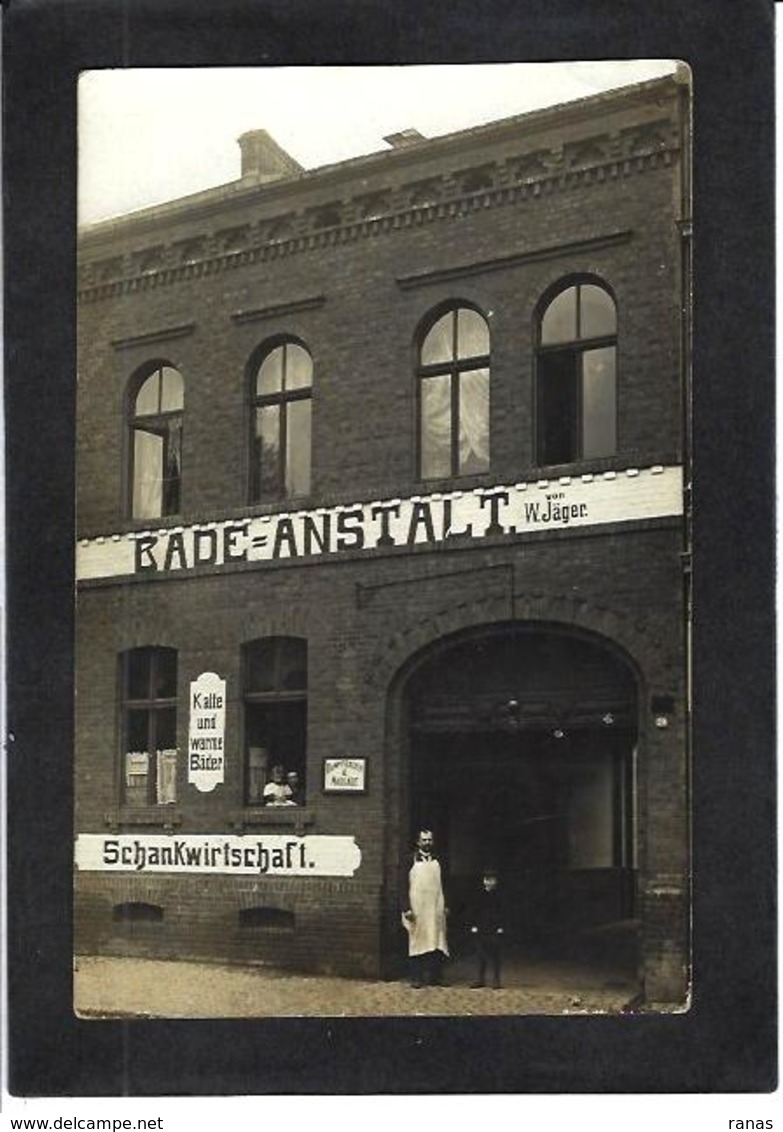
(424, 917)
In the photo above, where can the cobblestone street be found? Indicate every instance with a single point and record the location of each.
(112, 987)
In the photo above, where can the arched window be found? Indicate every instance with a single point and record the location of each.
(275, 702)
(149, 726)
(156, 444)
(281, 397)
(453, 378)
(576, 388)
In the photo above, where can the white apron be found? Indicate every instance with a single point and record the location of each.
(428, 931)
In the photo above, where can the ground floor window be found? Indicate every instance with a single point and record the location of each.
(276, 735)
(275, 721)
(149, 726)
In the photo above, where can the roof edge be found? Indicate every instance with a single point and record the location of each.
(244, 189)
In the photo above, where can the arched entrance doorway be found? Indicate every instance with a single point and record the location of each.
(522, 756)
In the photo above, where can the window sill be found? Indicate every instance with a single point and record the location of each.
(165, 816)
(289, 817)
(453, 483)
(282, 506)
(153, 523)
(582, 467)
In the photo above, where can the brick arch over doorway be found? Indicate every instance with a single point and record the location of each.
(646, 652)
(446, 632)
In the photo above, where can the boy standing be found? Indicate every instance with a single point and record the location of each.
(486, 928)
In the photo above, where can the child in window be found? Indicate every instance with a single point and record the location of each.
(277, 792)
(296, 797)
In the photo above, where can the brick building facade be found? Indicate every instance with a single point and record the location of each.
(393, 448)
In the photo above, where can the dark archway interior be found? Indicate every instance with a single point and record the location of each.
(522, 757)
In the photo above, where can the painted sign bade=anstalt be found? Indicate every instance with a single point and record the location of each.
(522, 509)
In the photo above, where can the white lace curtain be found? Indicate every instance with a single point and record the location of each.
(473, 441)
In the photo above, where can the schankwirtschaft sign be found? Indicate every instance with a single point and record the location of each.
(273, 854)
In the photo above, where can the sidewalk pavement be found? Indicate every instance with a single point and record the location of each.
(113, 987)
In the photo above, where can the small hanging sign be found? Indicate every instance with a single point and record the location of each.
(206, 736)
(345, 776)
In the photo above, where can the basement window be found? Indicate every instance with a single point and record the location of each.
(135, 914)
(273, 919)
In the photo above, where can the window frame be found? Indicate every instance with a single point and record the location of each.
(162, 417)
(273, 697)
(453, 369)
(576, 349)
(281, 399)
(152, 706)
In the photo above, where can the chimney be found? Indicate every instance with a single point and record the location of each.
(404, 138)
(263, 160)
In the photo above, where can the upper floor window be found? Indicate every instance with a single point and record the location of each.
(156, 444)
(576, 388)
(282, 400)
(275, 701)
(149, 726)
(453, 379)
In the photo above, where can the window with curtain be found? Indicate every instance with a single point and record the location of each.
(282, 411)
(156, 444)
(275, 706)
(149, 726)
(453, 379)
(576, 386)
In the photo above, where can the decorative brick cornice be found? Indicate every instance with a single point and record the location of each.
(617, 628)
(515, 181)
